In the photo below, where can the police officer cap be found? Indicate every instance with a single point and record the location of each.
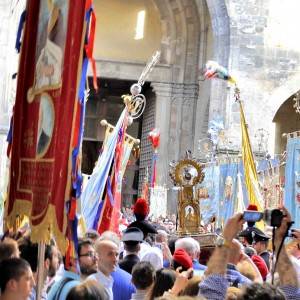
(132, 234)
(253, 233)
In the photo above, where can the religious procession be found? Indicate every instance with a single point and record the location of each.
(150, 149)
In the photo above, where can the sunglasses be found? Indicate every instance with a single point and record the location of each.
(89, 254)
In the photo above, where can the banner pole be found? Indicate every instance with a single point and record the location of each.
(40, 270)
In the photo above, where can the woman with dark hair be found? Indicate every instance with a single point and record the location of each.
(88, 290)
(164, 281)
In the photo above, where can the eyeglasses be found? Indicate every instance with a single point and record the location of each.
(89, 254)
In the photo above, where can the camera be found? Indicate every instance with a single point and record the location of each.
(273, 217)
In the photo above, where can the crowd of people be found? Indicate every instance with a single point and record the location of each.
(149, 263)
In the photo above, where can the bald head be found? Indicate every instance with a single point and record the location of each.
(108, 256)
(102, 244)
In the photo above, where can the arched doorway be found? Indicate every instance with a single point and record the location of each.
(107, 104)
(178, 103)
(286, 120)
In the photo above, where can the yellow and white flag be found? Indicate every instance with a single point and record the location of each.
(251, 178)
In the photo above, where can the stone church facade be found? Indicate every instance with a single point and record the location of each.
(252, 38)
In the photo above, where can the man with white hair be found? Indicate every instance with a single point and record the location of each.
(192, 247)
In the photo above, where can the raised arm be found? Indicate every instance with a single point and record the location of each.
(285, 268)
(218, 262)
(214, 286)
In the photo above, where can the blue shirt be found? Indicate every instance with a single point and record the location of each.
(214, 287)
(122, 286)
(235, 278)
(75, 280)
(198, 266)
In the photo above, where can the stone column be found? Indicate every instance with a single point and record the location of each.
(188, 119)
(163, 122)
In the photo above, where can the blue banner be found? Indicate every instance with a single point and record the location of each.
(92, 194)
(228, 190)
(292, 180)
(209, 194)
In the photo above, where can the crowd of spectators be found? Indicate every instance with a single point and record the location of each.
(148, 262)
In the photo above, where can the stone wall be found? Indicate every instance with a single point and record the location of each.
(264, 58)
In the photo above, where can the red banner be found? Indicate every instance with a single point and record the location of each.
(45, 116)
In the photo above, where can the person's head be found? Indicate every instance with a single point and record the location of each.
(189, 245)
(143, 275)
(197, 249)
(88, 258)
(110, 236)
(52, 259)
(250, 251)
(260, 240)
(164, 280)
(251, 235)
(260, 246)
(9, 249)
(29, 252)
(88, 290)
(16, 278)
(265, 291)
(182, 259)
(171, 244)
(235, 252)
(192, 288)
(161, 237)
(107, 256)
(154, 256)
(92, 235)
(132, 247)
(132, 237)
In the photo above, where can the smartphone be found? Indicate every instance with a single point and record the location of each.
(252, 216)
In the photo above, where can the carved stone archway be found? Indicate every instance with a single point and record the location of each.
(180, 110)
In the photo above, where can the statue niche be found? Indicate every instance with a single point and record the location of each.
(186, 174)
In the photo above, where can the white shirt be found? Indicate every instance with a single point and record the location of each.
(106, 281)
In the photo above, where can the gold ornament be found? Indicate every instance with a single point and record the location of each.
(186, 174)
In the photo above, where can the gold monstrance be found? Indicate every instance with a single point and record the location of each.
(186, 174)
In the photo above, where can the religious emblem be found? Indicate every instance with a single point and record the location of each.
(136, 102)
(186, 174)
